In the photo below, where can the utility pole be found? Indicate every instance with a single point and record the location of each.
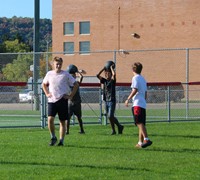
(36, 60)
(47, 55)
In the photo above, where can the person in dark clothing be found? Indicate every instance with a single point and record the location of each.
(109, 97)
(75, 102)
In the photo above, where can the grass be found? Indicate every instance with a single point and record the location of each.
(25, 154)
(94, 115)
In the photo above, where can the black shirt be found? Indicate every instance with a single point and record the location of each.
(108, 89)
(76, 98)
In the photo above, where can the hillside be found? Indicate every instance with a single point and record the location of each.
(22, 29)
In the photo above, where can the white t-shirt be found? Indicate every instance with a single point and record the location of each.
(59, 84)
(139, 83)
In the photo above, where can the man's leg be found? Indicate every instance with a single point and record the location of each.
(62, 132)
(51, 125)
(81, 125)
(143, 134)
(67, 126)
(112, 125)
(62, 129)
(51, 128)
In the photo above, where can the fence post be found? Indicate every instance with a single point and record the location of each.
(102, 112)
(169, 104)
(187, 81)
(100, 105)
(105, 122)
(43, 109)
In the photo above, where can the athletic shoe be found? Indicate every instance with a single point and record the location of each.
(113, 133)
(60, 144)
(138, 146)
(82, 132)
(120, 129)
(67, 133)
(53, 141)
(146, 143)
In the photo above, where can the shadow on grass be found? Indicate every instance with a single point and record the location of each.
(175, 136)
(74, 165)
(152, 148)
(179, 150)
(98, 147)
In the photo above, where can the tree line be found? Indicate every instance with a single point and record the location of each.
(16, 36)
(23, 29)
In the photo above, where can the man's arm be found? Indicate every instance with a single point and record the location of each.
(80, 77)
(133, 92)
(113, 73)
(99, 74)
(46, 90)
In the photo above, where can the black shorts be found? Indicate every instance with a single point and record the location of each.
(76, 110)
(60, 107)
(139, 115)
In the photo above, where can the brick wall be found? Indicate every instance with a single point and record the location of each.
(160, 24)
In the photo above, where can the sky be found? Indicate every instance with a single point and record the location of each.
(25, 8)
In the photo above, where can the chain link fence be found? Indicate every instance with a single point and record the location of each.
(24, 105)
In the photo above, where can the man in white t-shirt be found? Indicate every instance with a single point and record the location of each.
(138, 95)
(56, 85)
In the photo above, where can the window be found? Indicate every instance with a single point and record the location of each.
(84, 47)
(68, 28)
(68, 47)
(84, 27)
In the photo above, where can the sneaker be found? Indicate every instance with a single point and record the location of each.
(60, 144)
(120, 129)
(138, 146)
(67, 133)
(53, 141)
(82, 132)
(146, 143)
(113, 133)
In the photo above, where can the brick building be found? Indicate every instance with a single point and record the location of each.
(81, 28)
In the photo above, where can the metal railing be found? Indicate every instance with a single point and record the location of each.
(180, 65)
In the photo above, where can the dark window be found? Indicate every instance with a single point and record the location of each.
(84, 47)
(68, 28)
(68, 47)
(84, 27)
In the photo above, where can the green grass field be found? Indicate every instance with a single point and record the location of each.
(32, 118)
(175, 153)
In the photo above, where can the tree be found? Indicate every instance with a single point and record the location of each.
(19, 70)
(16, 46)
(13, 47)
(22, 29)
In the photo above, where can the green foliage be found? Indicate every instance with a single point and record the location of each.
(16, 46)
(19, 70)
(25, 154)
(16, 35)
(22, 29)
(12, 47)
(17, 66)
